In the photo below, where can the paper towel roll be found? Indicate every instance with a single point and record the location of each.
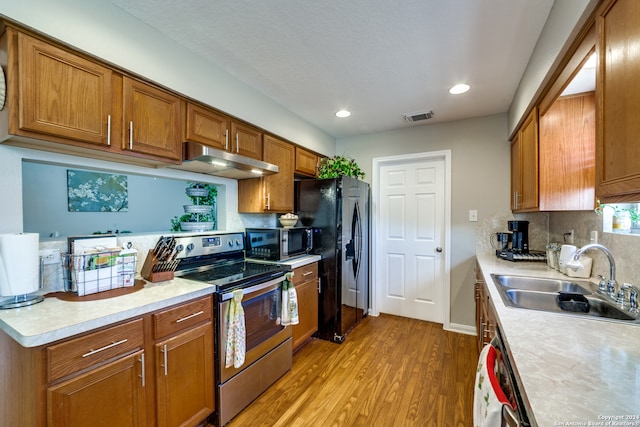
(19, 264)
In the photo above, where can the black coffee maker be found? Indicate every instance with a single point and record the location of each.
(519, 236)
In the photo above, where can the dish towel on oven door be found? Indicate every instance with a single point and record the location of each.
(289, 314)
(236, 332)
(489, 397)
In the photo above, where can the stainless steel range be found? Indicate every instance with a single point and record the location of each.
(218, 259)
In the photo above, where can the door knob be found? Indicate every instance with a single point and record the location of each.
(438, 249)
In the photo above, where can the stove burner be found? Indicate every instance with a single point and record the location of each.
(236, 274)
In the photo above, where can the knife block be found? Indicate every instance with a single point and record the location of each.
(154, 276)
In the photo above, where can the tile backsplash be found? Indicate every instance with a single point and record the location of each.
(548, 227)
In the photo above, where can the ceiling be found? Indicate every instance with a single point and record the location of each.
(380, 59)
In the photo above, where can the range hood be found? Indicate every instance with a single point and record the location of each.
(212, 161)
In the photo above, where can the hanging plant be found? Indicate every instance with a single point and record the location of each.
(337, 166)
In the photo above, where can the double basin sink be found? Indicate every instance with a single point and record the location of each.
(578, 297)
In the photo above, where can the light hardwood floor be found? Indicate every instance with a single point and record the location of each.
(390, 371)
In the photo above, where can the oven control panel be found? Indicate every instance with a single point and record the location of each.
(209, 244)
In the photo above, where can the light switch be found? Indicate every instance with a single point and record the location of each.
(473, 215)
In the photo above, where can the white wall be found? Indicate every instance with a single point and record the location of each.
(106, 31)
(564, 22)
(480, 179)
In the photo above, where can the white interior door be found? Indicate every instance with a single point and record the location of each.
(410, 233)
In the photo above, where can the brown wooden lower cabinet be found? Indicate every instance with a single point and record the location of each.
(113, 394)
(305, 279)
(486, 319)
(154, 370)
(184, 377)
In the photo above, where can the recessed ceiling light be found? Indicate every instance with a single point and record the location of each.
(459, 88)
(343, 113)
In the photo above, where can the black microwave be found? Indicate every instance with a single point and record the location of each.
(278, 244)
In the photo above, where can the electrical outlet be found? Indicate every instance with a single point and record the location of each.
(50, 256)
(473, 215)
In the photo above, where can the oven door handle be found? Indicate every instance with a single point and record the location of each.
(265, 287)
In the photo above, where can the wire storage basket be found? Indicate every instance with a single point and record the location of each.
(98, 271)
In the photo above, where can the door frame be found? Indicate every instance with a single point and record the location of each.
(445, 286)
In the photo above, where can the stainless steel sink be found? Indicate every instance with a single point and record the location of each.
(544, 294)
(543, 284)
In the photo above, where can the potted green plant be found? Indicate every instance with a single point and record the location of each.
(200, 214)
(337, 166)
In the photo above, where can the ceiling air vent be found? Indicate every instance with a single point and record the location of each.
(416, 117)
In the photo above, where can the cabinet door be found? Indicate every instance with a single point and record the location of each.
(207, 127)
(184, 377)
(112, 395)
(152, 119)
(273, 193)
(62, 94)
(618, 94)
(306, 162)
(245, 140)
(567, 161)
(306, 283)
(516, 173)
(526, 147)
(279, 186)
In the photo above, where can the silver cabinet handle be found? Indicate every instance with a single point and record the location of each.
(106, 347)
(131, 135)
(226, 139)
(141, 360)
(237, 143)
(308, 273)
(319, 286)
(164, 351)
(191, 316)
(109, 130)
(268, 201)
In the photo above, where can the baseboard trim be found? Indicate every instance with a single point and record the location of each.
(462, 329)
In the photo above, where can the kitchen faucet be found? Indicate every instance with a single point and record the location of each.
(611, 284)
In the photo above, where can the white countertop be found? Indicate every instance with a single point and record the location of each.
(55, 319)
(575, 371)
(301, 261)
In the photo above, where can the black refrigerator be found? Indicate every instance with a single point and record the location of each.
(338, 211)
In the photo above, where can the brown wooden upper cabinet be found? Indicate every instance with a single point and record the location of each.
(153, 119)
(206, 126)
(57, 93)
(62, 100)
(246, 140)
(272, 193)
(214, 129)
(306, 162)
(524, 166)
(618, 94)
(568, 132)
(553, 152)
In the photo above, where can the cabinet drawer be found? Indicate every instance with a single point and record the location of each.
(305, 273)
(80, 353)
(182, 317)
